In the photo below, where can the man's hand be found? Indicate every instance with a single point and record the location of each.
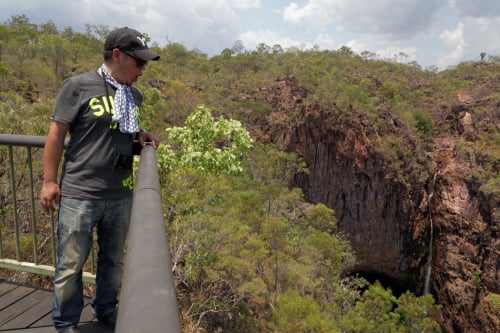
(50, 196)
(144, 137)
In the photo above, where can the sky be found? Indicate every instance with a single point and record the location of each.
(433, 33)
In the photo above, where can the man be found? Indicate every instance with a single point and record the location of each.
(98, 109)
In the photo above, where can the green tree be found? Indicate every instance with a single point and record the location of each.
(22, 45)
(295, 313)
(390, 91)
(424, 124)
(373, 313)
(277, 171)
(238, 48)
(226, 233)
(346, 50)
(380, 311)
(55, 52)
(414, 313)
(153, 105)
(208, 145)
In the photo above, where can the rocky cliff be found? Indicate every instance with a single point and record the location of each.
(380, 198)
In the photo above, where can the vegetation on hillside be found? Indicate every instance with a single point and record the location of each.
(250, 254)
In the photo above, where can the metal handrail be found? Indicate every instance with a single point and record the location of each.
(148, 301)
(22, 140)
(147, 298)
(18, 264)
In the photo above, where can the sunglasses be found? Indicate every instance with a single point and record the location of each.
(139, 62)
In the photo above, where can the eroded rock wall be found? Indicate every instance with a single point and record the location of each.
(373, 207)
(383, 207)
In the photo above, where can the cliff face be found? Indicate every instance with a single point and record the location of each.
(466, 259)
(384, 209)
(466, 267)
(371, 204)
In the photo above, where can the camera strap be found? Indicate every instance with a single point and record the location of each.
(114, 140)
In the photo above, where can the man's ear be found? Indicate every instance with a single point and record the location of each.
(117, 55)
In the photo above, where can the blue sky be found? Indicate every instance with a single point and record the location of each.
(438, 33)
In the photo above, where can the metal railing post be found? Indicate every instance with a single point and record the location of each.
(14, 203)
(32, 205)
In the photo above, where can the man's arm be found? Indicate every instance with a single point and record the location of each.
(50, 195)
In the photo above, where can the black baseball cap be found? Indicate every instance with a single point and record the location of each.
(132, 42)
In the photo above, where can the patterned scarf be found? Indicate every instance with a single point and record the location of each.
(124, 105)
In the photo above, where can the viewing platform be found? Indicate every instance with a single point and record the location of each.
(28, 309)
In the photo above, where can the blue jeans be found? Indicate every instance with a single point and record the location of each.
(77, 218)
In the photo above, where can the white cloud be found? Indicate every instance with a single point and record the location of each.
(455, 39)
(482, 35)
(385, 51)
(313, 11)
(251, 39)
(404, 55)
(245, 4)
(483, 8)
(429, 29)
(325, 42)
(392, 18)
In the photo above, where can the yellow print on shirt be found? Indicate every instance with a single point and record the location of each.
(105, 104)
(101, 105)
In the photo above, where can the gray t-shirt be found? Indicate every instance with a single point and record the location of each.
(88, 168)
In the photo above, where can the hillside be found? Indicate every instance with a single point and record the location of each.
(373, 134)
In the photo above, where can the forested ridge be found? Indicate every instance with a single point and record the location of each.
(249, 253)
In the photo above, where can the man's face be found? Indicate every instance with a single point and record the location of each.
(130, 68)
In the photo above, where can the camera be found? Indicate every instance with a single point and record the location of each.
(123, 161)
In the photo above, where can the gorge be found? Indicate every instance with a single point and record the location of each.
(382, 201)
